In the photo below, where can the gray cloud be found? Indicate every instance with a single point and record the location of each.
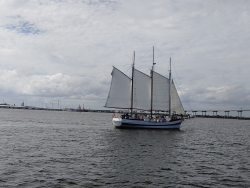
(64, 50)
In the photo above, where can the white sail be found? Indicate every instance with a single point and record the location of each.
(120, 91)
(176, 105)
(160, 92)
(141, 90)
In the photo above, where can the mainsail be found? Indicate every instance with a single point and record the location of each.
(160, 92)
(120, 91)
(141, 90)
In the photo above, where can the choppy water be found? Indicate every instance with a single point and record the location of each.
(70, 149)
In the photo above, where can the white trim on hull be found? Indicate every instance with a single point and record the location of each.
(140, 124)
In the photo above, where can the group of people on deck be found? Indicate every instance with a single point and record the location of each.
(157, 118)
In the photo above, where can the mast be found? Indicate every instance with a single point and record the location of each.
(170, 90)
(132, 89)
(151, 107)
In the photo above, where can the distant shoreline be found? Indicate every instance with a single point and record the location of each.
(108, 111)
(53, 109)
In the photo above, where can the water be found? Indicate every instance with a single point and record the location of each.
(70, 149)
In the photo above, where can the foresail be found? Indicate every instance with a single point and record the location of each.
(120, 91)
(141, 90)
(160, 92)
(176, 105)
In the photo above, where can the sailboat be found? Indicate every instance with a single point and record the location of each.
(152, 93)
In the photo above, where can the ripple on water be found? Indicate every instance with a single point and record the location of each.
(63, 149)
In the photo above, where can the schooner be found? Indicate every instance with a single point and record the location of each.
(143, 92)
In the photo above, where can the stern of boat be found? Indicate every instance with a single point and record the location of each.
(117, 121)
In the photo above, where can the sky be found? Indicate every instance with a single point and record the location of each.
(60, 53)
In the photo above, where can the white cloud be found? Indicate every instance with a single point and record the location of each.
(22, 85)
(64, 50)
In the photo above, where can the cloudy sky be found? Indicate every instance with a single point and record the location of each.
(64, 50)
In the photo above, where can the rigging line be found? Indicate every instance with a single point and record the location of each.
(178, 83)
(142, 66)
(146, 54)
(128, 70)
(122, 64)
(165, 54)
(163, 61)
(162, 52)
(145, 51)
(126, 59)
(140, 59)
